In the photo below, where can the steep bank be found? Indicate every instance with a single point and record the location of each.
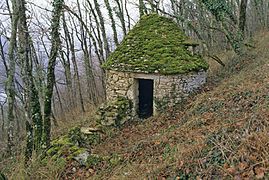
(222, 132)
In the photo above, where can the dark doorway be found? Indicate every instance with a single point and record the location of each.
(145, 87)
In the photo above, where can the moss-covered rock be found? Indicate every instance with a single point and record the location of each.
(155, 45)
(70, 146)
(115, 113)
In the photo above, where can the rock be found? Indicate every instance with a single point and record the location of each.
(115, 112)
(89, 130)
(87, 174)
(115, 77)
(91, 170)
(82, 158)
(108, 121)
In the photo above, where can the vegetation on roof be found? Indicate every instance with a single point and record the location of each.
(155, 45)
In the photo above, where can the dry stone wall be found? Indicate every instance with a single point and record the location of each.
(169, 90)
(119, 84)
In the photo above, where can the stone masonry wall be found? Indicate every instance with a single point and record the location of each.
(169, 90)
(172, 90)
(119, 84)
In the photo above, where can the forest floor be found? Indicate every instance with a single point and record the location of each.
(221, 133)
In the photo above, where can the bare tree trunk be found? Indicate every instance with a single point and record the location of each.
(142, 8)
(113, 23)
(88, 32)
(3, 55)
(258, 11)
(91, 86)
(68, 76)
(102, 24)
(10, 88)
(3, 120)
(70, 40)
(120, 15)
(242, 16)
(128, 15)
(65, 56)
(29, 142)
(60, 101)
(55, 38)
(34, 124)
(98, 35)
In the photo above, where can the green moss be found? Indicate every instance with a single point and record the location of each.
(115, 112)
(94, 138)
(75, 136)
(53, 150)
(114, 160)
(124, 107)
(62, 141)
(61, 162)
(155, 45)
(94, 160)
(68, 146)
(75, 151)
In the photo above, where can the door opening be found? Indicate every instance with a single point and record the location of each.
(145, 88)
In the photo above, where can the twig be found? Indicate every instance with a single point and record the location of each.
(217, 59)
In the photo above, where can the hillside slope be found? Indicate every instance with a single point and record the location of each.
(221, 133)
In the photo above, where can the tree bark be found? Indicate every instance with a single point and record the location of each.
(242, 16)
(3, 120)
(128, 15)
(55, 38)
(113, 23)
(65, 56)
(91, 86)
(10, 88)
(120, 15)
(29, 143)
(34, 124)
(102, 24)
(70, 40)
(67, 66)
(141, 8)
(98, 34)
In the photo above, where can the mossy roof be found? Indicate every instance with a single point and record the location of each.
(155, 45)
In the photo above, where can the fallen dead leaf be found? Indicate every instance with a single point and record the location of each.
(180, 164)
(242, 166)
(259, 171)
(231, 170)
(226, 166)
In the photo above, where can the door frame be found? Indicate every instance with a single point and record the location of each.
(136, 95)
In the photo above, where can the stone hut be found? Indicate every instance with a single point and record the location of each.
(154, 67)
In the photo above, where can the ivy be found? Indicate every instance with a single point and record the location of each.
(219, 8)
